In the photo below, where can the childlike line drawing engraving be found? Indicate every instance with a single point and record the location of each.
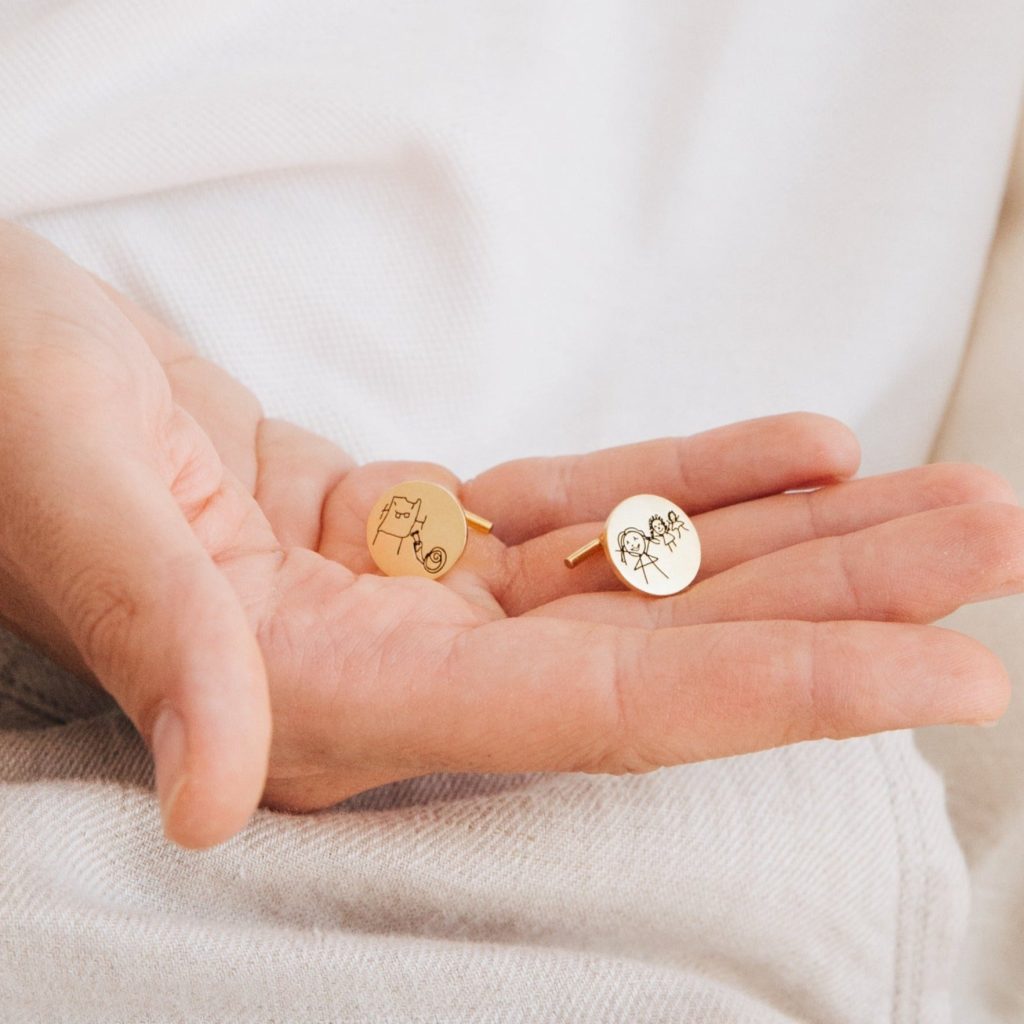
(664, 530)
(400, 518)
(660, 532)
(633, 542)
(434, 559)
(675, 524)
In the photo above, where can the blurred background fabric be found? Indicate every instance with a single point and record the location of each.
(984, 770)
(466, 233)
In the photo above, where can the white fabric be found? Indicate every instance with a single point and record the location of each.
(467, 232)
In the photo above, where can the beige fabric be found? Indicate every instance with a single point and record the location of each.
(984, 769)
(809, 883)
(353, 207)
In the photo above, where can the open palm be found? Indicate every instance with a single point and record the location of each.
(514, 663)
(806, 620)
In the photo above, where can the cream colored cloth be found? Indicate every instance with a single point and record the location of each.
(566, 226)
(984, 770)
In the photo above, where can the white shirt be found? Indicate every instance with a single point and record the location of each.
(467, 232)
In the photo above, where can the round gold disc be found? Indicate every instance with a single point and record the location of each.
(416, 529)
(652, 545)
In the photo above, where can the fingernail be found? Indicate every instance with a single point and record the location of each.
(169, 755)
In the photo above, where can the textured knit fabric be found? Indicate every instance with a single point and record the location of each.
(468, 232)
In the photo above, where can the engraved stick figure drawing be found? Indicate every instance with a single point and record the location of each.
(400, 518)
(634, 542)
(660, 533)
(675, 524)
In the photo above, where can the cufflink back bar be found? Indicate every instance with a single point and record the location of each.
(419, 528)
(650, 543)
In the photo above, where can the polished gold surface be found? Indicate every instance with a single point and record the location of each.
(571, 561)
(478, 522)
(651, 545)
(416, 528)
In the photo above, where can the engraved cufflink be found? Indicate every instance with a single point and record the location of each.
(419, 529)
(650, 543)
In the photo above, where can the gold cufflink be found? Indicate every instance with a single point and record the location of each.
(419, 529)
(651, 544)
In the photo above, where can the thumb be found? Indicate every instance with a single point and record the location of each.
(104, 483)
(161, 628)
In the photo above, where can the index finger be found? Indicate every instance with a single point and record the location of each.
(738, 462)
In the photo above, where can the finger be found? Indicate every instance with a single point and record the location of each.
(918, 568)
(598, 698)
(742, 532)
(92, 451)
(290, 471)
(528, 497)
(533, 574)
(297, 470)
(538, 694)
(112, 554)
(229, 412)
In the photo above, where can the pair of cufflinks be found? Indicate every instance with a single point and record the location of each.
(418, 528)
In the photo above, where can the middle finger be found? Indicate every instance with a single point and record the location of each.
(917, 569)
(532, 573)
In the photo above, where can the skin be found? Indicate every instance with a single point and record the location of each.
(165, 540)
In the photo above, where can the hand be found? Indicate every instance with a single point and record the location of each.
(807, 619)
(160, 535)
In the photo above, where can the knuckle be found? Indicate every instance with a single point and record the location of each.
(564, 493)
(467, 492)
(507, 584)
(849, 569)
(622, 748)
(820, 718)
(191, 467)
(685, 471)
(817, 525)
